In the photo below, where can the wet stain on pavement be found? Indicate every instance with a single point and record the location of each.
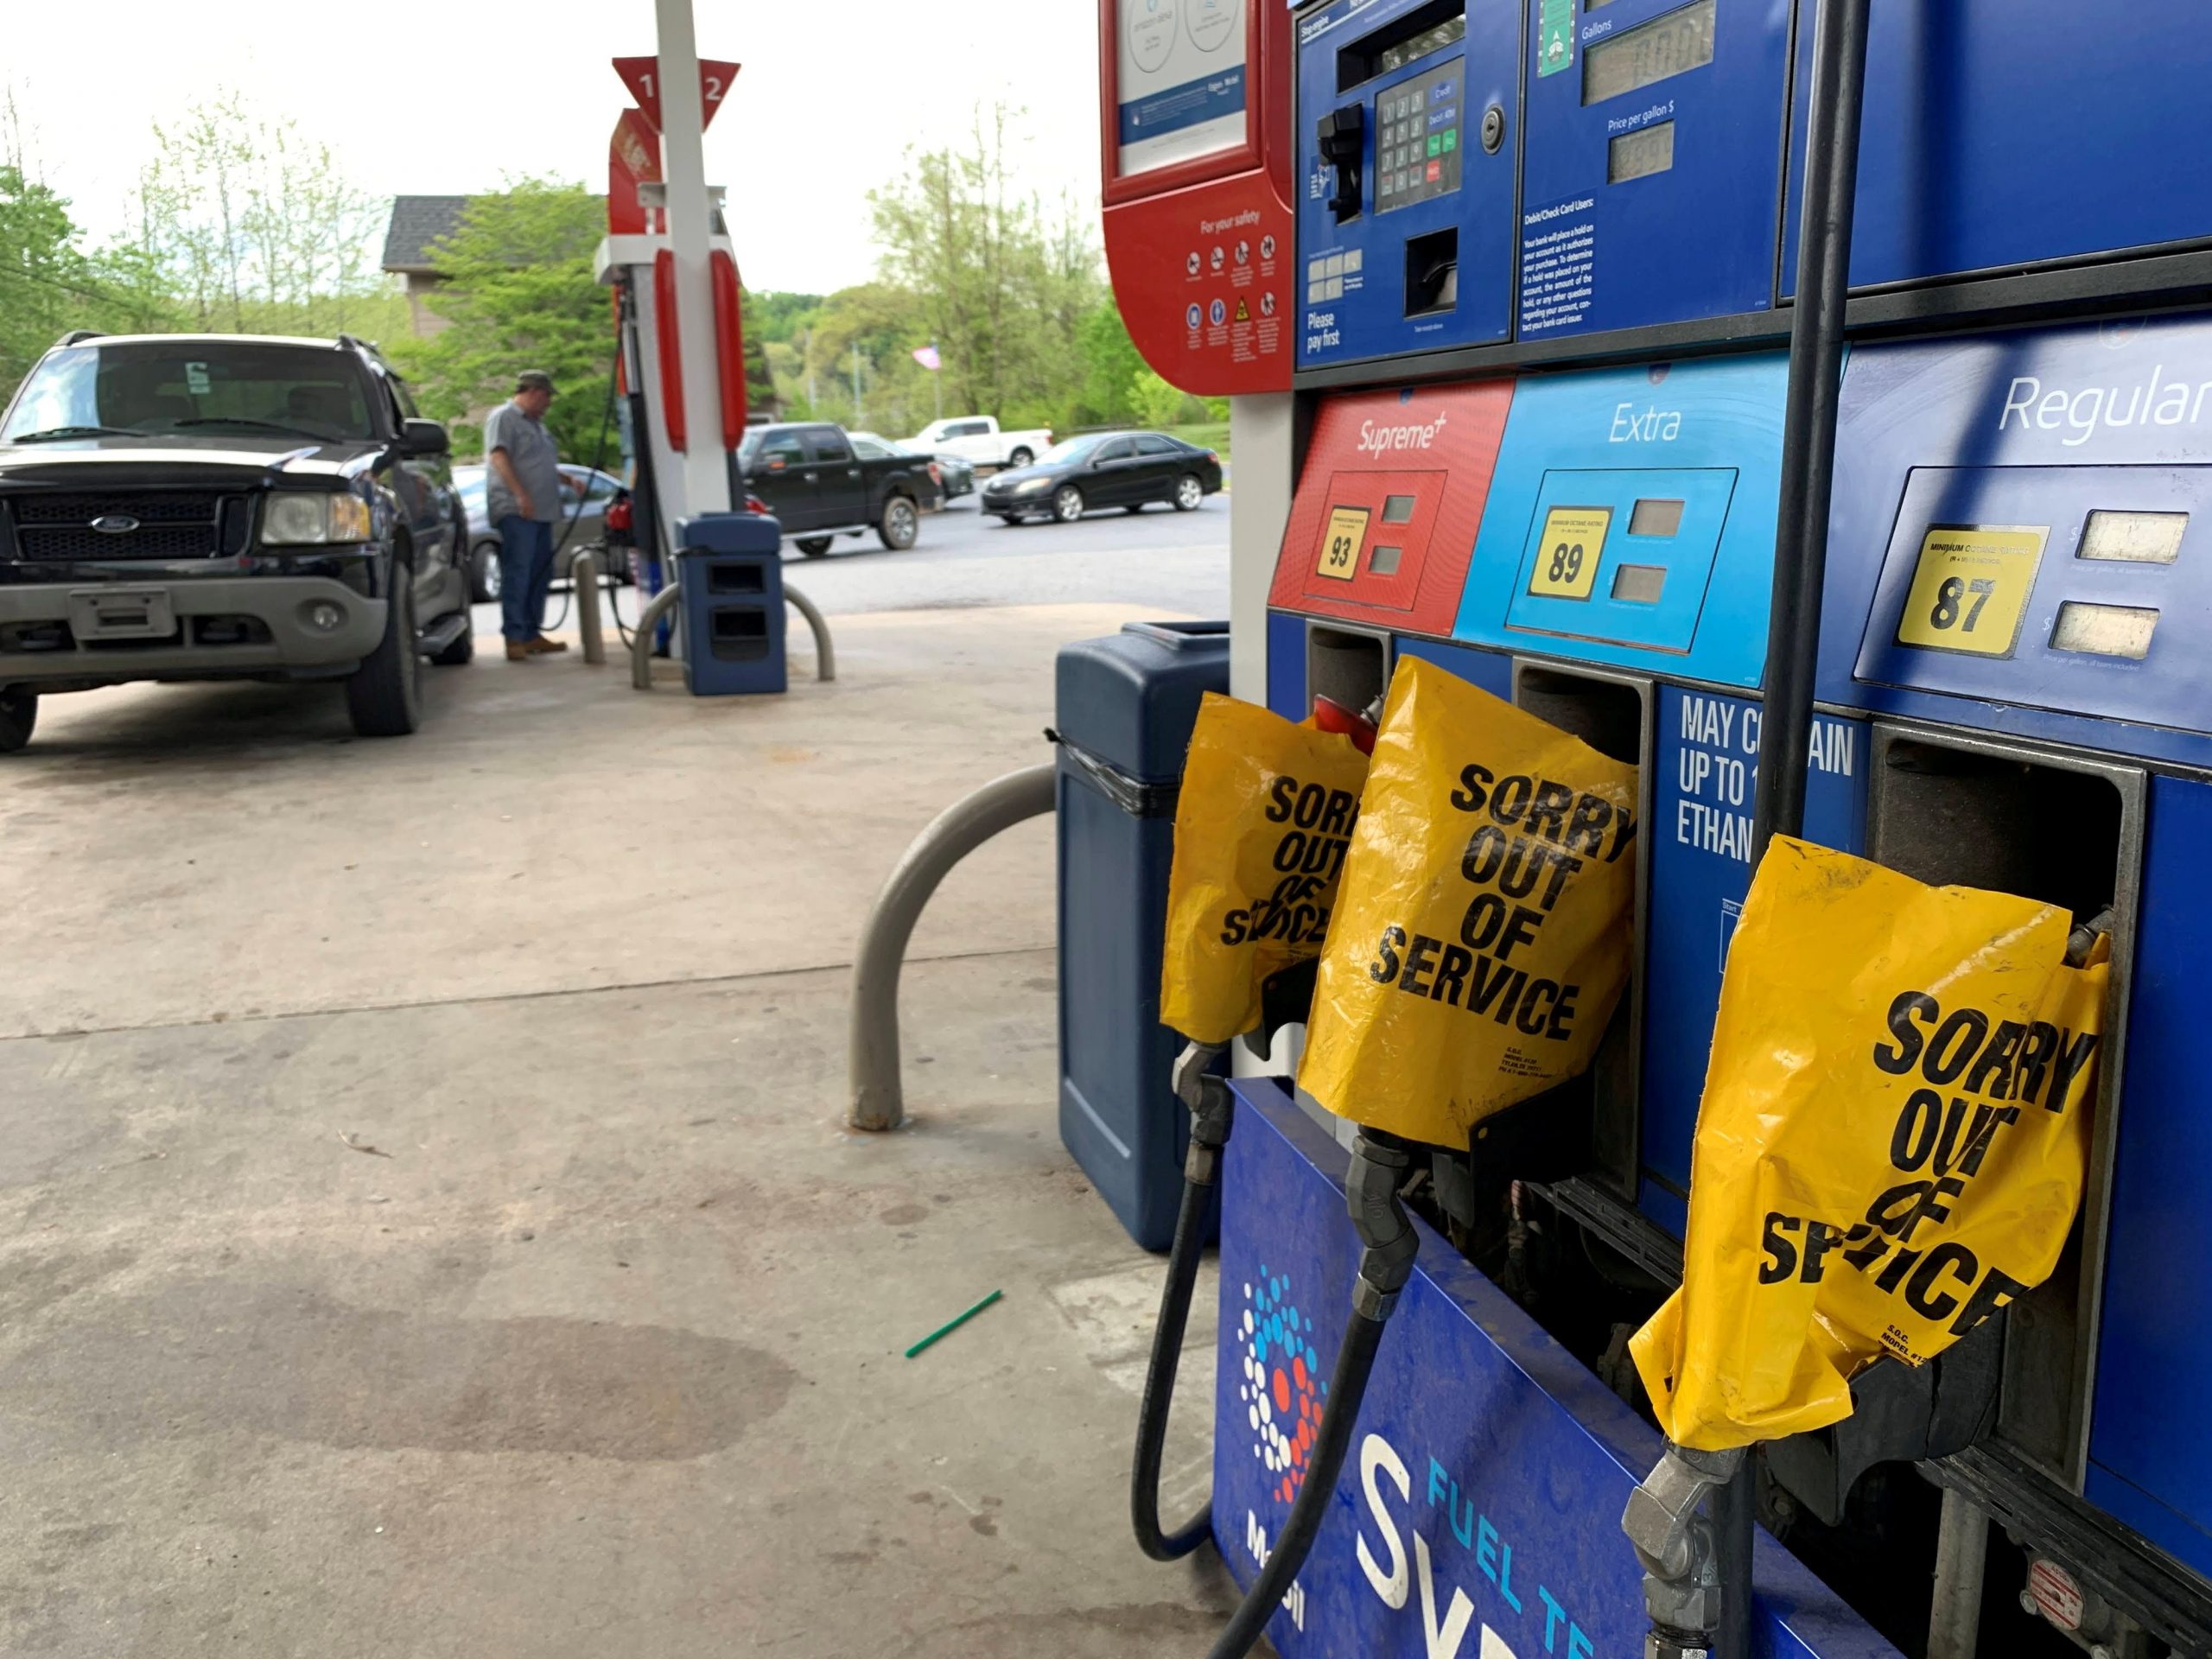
(214, 1356)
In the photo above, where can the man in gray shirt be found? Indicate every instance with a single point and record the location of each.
(522, 498)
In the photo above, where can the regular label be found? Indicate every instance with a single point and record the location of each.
(1567, 553)
(1971, 587)
(1341, 540)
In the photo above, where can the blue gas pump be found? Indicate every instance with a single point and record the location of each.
(2013, 372)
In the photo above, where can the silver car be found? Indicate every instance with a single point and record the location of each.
(586, 493)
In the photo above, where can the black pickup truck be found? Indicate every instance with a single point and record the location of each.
(814, 481)
(210, 507)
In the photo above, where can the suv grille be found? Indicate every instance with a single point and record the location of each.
(171, 524)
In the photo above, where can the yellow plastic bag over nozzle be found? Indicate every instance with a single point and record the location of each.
(1262, 822)
(1482, 936)
(1892, 1146)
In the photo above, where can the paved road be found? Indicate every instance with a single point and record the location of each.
(1176, 561)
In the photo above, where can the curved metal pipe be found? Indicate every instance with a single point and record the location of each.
(825, 654)
(877, 1100)
(583, 582)
(641, 642)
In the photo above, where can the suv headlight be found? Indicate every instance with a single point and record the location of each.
(305, 518)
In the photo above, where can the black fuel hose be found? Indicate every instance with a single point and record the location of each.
(1380, 1166)
(1159, 1385)
(1347, 1385)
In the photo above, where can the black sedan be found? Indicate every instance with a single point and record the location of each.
(1105, 469)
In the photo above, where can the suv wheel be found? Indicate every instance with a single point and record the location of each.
(814, 547)
(384, 694)
(901, 523)
(1067, 504)
(1021, 457)
(1188, 493)
(18, 715)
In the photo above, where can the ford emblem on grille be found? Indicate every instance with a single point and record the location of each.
(115, 523)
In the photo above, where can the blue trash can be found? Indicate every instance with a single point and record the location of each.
(1126, 705)
(731, 569)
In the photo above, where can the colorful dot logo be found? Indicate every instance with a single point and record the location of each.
(1283, 1391)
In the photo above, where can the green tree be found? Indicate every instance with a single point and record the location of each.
(47, 285)
(241, 225)
(1153, 401)
(519, 294)
(1110, 364)
(999, 283)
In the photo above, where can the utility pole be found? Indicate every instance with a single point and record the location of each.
(857, 421)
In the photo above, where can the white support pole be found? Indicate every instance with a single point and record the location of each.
(706, 466)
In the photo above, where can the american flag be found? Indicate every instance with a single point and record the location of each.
(927, 357)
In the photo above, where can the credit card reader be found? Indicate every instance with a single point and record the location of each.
(1406, 118)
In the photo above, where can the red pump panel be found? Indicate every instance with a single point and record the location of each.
(671, 350)
(1382, 528)
(1194, 124)
(729, 345)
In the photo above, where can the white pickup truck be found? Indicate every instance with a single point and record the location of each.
(976, 438)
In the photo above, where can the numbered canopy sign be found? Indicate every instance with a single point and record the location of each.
(1179, 80)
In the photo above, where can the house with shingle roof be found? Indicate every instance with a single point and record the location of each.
(417, 223)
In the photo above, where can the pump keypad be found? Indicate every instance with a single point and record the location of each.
(1417, 126)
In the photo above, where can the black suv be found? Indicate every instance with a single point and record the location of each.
(816, 484)
(224, 506)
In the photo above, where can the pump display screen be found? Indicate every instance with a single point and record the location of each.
(1655, 516)
(2133, 537)
(1639, 155)
(1665, 46)
(1433, 40)
(2121, 631)
(1417, 126)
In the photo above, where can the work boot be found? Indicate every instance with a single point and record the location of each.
(542, 646)
(518, 651)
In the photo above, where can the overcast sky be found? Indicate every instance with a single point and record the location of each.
(447, 96)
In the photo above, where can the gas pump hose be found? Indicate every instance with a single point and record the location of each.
(1379, 1166)
(1285, 998)
(1212, 1115)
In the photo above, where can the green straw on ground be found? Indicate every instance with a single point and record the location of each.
(950, 1325)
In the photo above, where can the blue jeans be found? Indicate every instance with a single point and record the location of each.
(525, 575)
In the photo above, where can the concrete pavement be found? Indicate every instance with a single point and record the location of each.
(598, 1349)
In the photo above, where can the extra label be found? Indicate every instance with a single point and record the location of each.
(1970, 589)
(1341, 540)
(1567, 553)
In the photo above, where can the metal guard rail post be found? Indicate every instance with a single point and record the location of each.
(583, 582)
(877, 1100)
(641, 642)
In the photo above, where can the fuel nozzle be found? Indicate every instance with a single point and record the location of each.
(1204, 1092)
(1675, 1543)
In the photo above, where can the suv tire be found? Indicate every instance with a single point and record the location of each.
(901, 523)
(384, 694)
(18, 715)
(814, 547)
